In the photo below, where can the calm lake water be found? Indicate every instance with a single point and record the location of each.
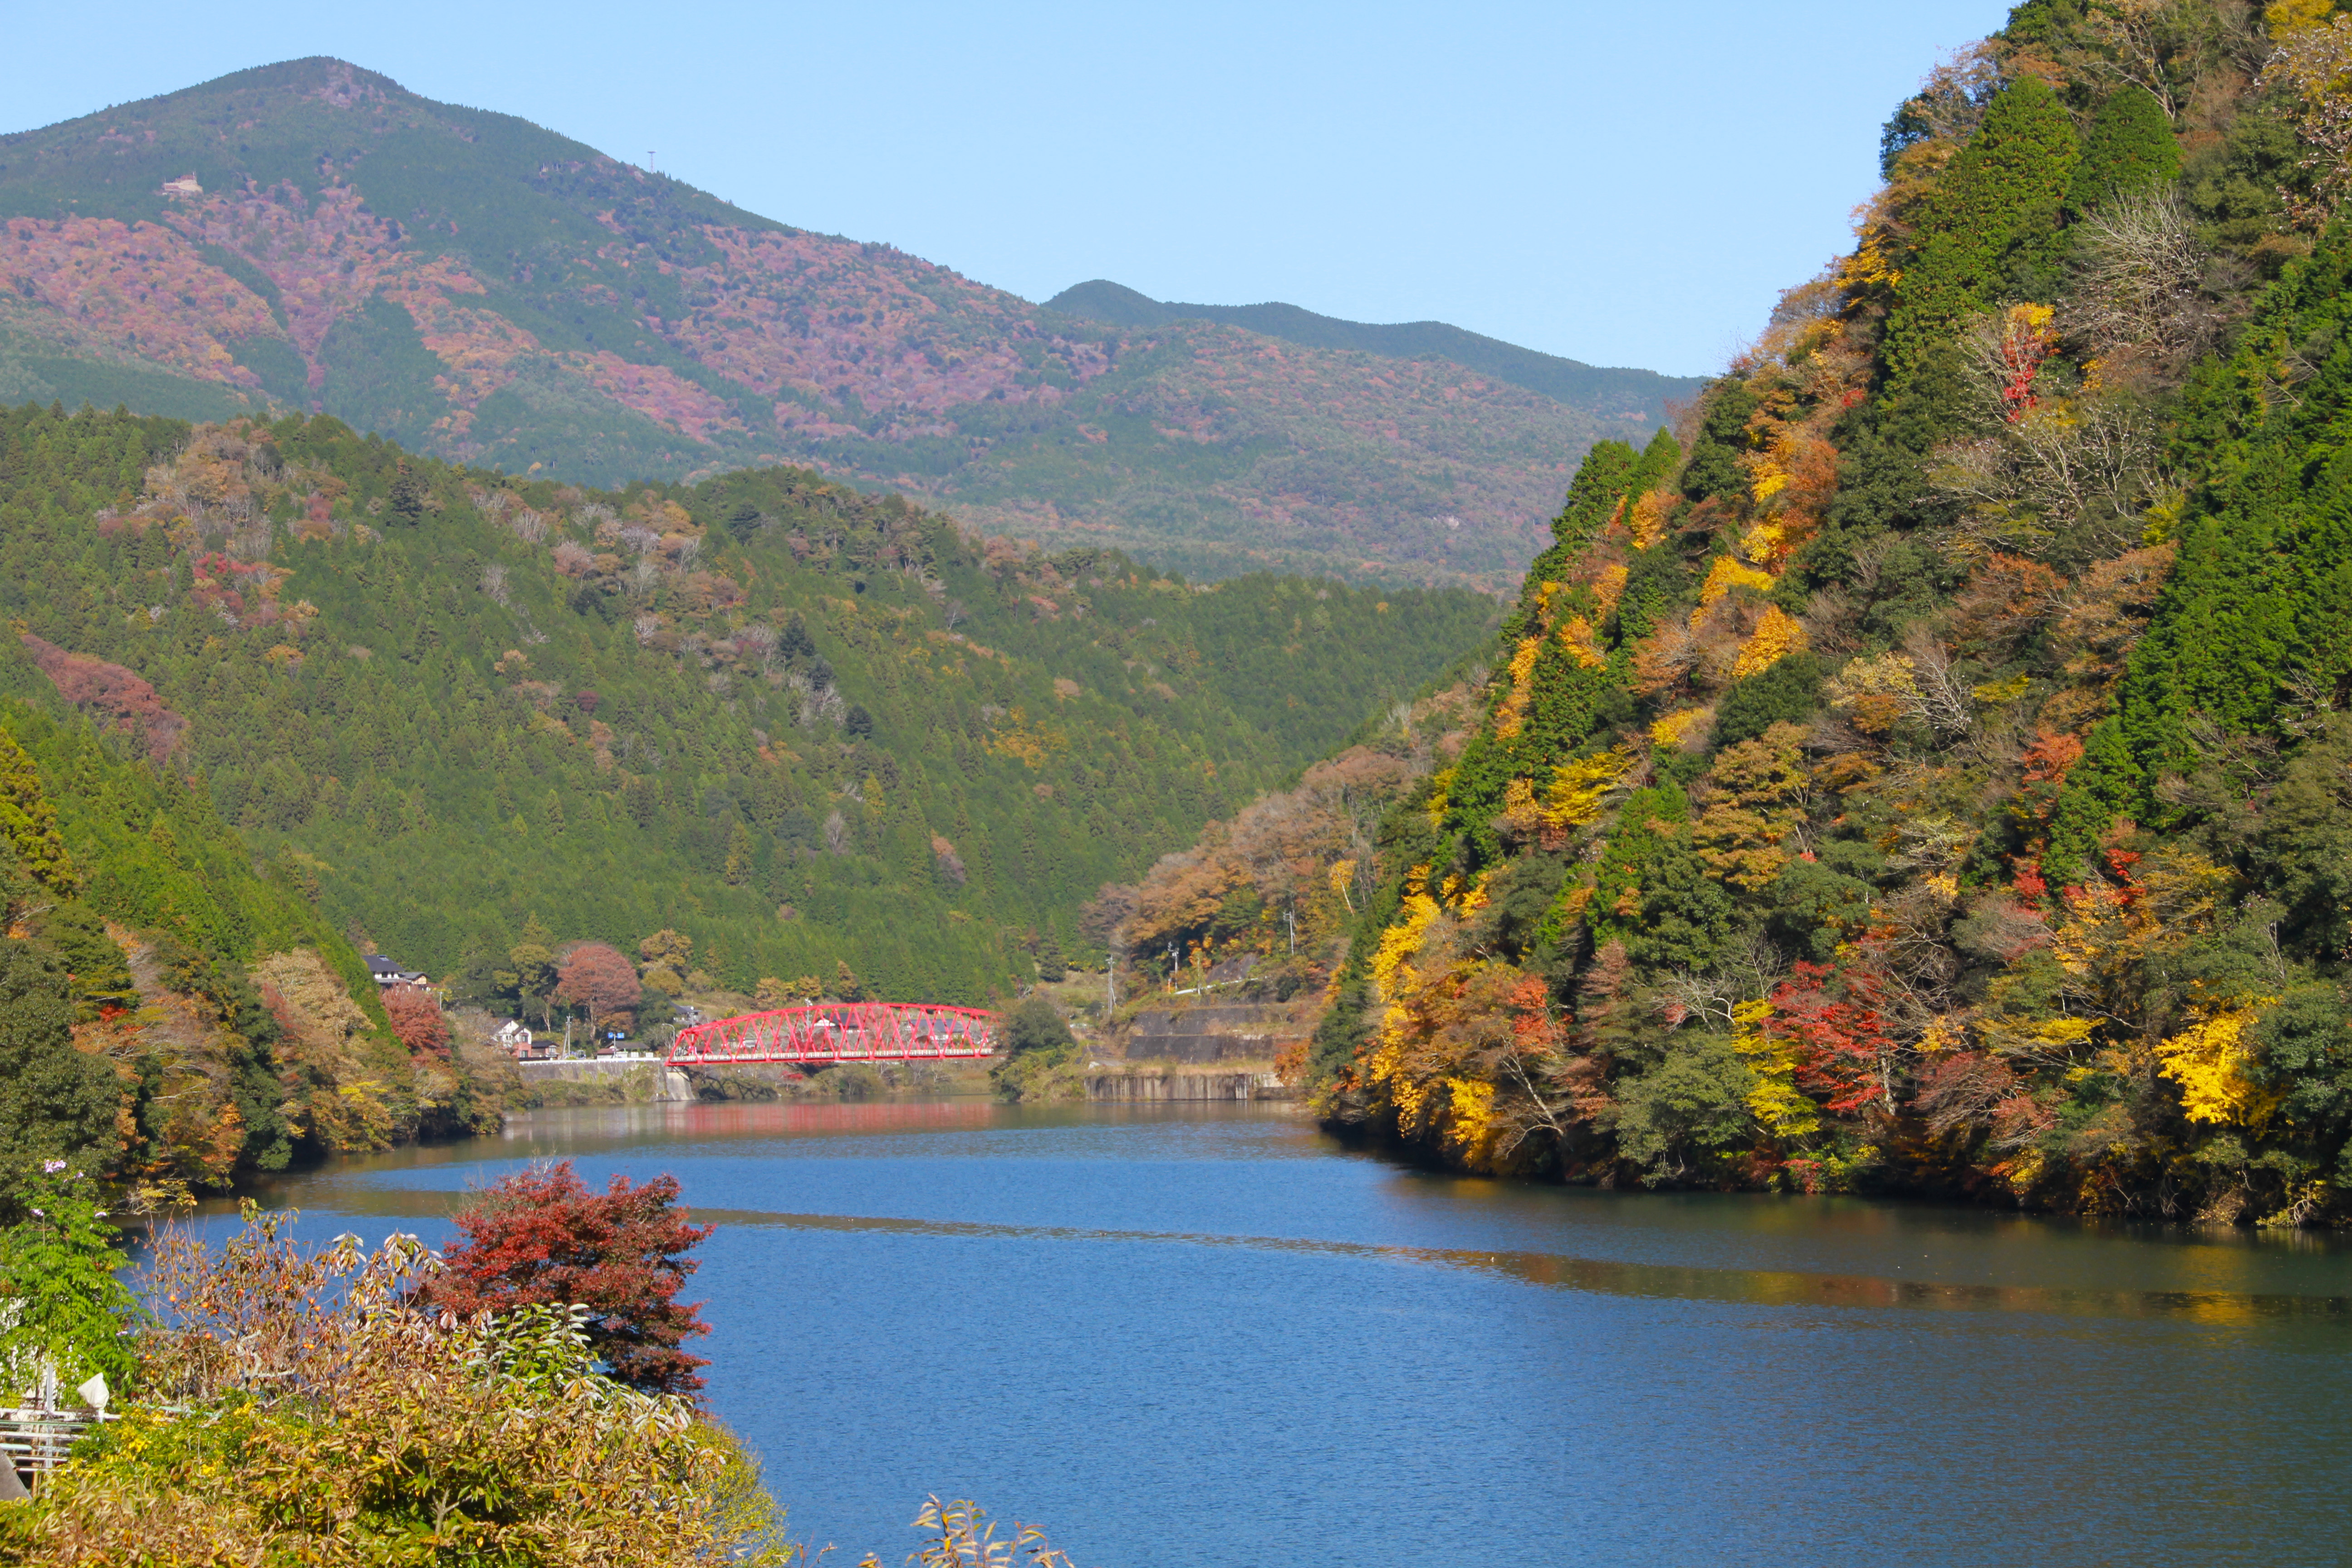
(1215, 1336)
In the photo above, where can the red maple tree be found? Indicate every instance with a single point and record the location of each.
(541, 1237)
(1837, 1018)
(417, 1019)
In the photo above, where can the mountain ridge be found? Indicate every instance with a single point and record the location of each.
(1554, 375)
(308, 235)
(802, 724)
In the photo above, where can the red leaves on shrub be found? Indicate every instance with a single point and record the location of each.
(539, 1237)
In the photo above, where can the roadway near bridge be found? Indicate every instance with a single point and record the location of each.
(823, 1033)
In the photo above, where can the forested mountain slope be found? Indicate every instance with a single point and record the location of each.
(1932, 773)
(168, 1013)
(1571, 380)
(309, 237)
(804, 726)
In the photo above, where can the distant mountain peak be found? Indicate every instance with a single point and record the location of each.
(310, 234)
(1100, 299)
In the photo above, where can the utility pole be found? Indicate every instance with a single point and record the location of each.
(1110, 981)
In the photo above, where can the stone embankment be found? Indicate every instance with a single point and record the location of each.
(1217, 1032)
(1154, 1087)
(638, 1078)
(1190, 1048)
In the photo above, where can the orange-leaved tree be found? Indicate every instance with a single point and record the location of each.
(417, 1019)
(596, 976)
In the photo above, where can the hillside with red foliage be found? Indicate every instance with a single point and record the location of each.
(476, 287)
(111, 693)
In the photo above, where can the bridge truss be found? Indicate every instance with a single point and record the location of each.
(826, 1031)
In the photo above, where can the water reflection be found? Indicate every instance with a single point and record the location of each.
(1742, 1248)
(1210, 1335)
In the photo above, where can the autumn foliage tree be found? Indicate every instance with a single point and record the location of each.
(417, 1019)
(541, 1237)
(596, 976)
(1836, 1017)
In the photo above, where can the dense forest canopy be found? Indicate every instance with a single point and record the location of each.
(800, 724)
(275, 696)
(1929, 773)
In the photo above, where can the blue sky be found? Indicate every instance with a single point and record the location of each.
(1623, 183)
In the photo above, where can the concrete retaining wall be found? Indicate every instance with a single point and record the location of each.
(667, 1082)
(1154, 1087)
(1233, 1031)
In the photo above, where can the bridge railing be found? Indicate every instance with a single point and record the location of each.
(826, 1031)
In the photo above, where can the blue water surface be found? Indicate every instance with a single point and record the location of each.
(1209, 1336)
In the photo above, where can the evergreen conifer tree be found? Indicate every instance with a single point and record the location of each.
(1996, 208)
(1713, 468)
(2102, 787)
(2129, 148)
(28, 825)
(408, 495)
(1657, 463)
(55, 1101)
(2263, 581)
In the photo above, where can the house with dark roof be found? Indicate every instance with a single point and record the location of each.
(389, 974)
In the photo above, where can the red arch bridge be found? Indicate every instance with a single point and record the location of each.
(825, 1032)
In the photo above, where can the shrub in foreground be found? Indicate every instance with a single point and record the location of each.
(540, 1237)
(304, 1410)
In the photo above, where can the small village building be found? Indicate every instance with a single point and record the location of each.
(388, 974)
